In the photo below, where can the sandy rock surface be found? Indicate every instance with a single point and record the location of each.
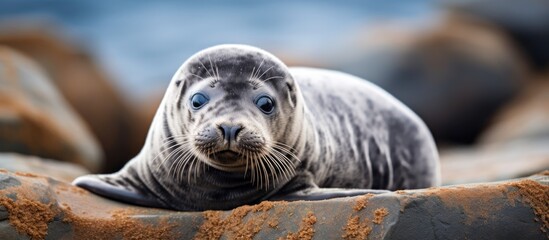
(32, 206)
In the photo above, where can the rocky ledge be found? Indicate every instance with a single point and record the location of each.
(37, 207)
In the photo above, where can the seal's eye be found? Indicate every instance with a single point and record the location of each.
(198, 100)
(265, 104)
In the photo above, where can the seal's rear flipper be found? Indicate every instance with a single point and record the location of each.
(116, 188)
(312, 194)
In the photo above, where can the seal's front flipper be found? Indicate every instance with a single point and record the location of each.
(324, 193)
(116, 187)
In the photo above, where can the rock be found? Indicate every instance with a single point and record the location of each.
(36, 120)
(526, 118)
(495, 162)
(526, 22)
(455, 76)
(111, 118)
(515, 145)
(40, 207)
(61, 171)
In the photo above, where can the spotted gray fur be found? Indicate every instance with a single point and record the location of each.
(338, 135)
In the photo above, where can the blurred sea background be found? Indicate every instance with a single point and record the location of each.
(141, 43)
(476, 72)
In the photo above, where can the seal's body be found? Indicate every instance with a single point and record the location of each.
(237, 126)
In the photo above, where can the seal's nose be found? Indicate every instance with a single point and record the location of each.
(230, 132)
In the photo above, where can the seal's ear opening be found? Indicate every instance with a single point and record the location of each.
(292, 96)
(116, 188)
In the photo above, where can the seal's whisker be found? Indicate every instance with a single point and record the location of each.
(186, 159)
(282, 164)
(264, 178)
(182, 162)
(287, 163)
(271, 168)
(259, 68)
(259, 177)
(285, 150)
(256, 169)
(180, 159)
(201, 78)
(266, 71)
(274, 166)
(259, 172)
(251, 74)
(205, 68)
(217, 71)
(274, 77)
(266, 168)
(191, 164)
(173, 150)
(179, 153)
(215, 74)
(287, 168)
(246, 156)
(284, 145)
(176, 136)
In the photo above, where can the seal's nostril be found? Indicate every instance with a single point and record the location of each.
(225, 131)
(230, 132)
(234, 132)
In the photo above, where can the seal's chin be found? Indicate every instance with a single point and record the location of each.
(226, 160)
(226, 157)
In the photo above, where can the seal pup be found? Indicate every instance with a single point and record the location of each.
(237, 126)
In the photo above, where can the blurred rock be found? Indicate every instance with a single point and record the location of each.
(61, 171)
(526, 22)
(495, 162)
(91, 93)
(40, 207)
(455, 76)
(524, 119)
(515, 145)
(35, 119)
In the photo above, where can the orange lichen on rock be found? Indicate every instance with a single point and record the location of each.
(120, 224)
(379, 215)
(306, 230)
(28, 217)
(362, 201)
(355, 229)
(476, 203)
(537, 196)
(26, 174)
(273, 223)
(238, 225)
(213, 226)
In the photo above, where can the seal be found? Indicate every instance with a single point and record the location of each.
(237, 126)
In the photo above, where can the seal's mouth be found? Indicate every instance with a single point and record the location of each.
(226, 157)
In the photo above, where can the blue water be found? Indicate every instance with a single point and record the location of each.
(141, 43)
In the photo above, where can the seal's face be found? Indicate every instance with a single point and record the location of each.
(239, 106)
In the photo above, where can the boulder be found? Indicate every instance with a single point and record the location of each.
(37, 207)
(119, 128)
(36, 120)
(514, 145)
(455, 76)
(526, 22)
(526, 118)
(62, 171)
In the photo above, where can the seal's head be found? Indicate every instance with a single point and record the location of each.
(233, 107)
(225, 134)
